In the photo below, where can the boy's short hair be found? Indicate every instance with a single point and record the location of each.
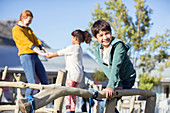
(100, 25)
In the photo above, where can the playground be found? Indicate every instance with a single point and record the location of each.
(55, 93)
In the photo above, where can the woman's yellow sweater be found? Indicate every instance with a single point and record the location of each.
(25, 40)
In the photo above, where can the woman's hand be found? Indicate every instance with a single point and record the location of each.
(36, 49)
(45, 51)
(49, 55)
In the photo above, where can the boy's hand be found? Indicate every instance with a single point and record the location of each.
(109, 93)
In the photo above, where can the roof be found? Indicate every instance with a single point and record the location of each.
(9, 57)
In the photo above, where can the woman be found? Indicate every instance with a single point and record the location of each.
(28, 49)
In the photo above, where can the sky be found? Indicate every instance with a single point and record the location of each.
(54, 20)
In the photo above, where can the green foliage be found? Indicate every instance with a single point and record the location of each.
(124, 28)
(156, 52)
(99, 76)
(147, 81)
(150, 50)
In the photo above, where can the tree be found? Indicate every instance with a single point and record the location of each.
(99, 75)
(135, 33)
(147, 81)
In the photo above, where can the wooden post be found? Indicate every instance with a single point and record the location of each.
(132, 103)
(110, 106)
(14, 94)
(58, 103)
(119, 103)
(17, 77)
(4, 73)
(150, 104)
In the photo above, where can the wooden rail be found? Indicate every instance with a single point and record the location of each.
(56, 92)
(53, 92)
(19, 85)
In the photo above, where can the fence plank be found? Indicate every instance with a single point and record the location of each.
(150, 105)
(4, 73)
(58, 103)
(18, 77)
(110, 106)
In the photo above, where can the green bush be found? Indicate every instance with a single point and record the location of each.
(99, 75)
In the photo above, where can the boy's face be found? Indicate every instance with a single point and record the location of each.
(104, 38)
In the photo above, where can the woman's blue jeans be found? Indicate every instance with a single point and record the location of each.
(33, 66)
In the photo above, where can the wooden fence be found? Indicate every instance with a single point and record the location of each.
(56, 92)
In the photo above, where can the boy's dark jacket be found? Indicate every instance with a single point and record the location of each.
(120, 67)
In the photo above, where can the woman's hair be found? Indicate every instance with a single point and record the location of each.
(83, 36)
(100, 25)
(25, 14)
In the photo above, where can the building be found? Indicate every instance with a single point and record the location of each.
(9, 57)
(163, 88)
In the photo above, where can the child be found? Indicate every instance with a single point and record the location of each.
(28, 49)
(74, 64)
(111, 54)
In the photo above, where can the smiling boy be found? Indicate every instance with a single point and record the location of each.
(111, 54)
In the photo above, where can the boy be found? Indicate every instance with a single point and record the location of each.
(111, 54)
